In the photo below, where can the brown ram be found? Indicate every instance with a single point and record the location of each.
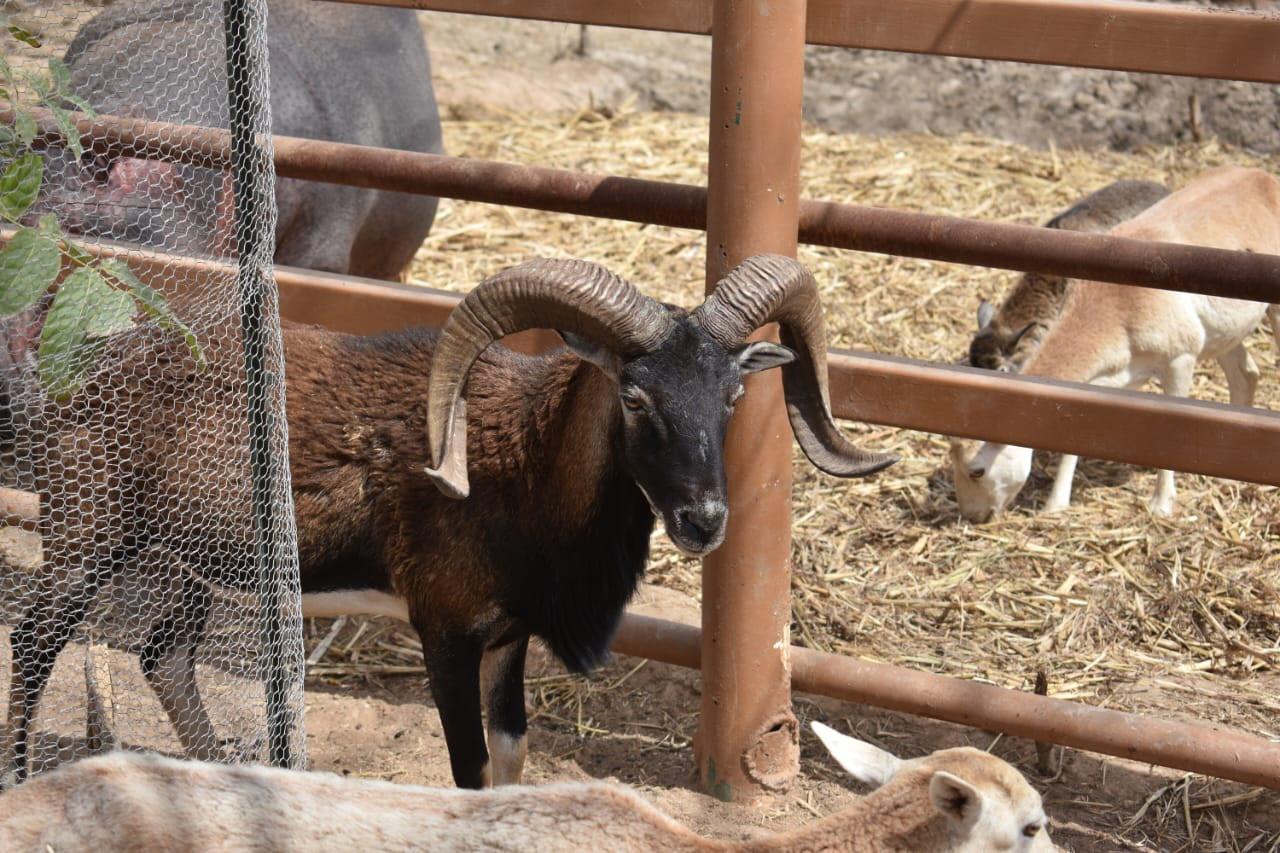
(574, 452)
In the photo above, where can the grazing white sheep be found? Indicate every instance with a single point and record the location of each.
(1122, 336)
(957, 800)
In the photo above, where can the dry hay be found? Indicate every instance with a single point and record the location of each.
(1180, 618)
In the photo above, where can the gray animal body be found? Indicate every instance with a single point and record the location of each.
(339, 73)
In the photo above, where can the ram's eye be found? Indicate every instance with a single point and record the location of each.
(633, 403)
(1031, 830)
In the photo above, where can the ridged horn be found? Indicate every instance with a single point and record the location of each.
(776, 289)
(567, 295)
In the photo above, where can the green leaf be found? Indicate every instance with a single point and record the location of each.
(38, 83)
(28, 265)
(154, 305)
(114, 313)
(23, 35)
(70, 133)
(79, 256)
(25, 126)
(85, 311)
(50, 227)
(81, 104)
(123, 277)
(60, 74)
(20, 185)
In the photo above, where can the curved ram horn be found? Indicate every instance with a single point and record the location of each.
(772, 288)
(567, 295)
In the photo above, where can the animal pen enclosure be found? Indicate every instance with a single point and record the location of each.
(118, 563)
(1208, 439)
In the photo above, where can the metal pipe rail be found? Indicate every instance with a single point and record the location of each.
(1101, 257)
(1187, 746)
(748, 741)
(1125, 426)
(1121, 36)
(1192, 436)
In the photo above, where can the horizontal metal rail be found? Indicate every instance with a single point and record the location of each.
(1126, 426)
(1169, 266)
(1187, 746)
(1122, 36)
(1145, 429)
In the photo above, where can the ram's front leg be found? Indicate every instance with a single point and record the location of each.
(453, 666)
(504, 699)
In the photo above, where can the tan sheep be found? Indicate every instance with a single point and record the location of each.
(953, 800)
(1119, 336)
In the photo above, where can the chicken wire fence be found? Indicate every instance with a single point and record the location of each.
(148, 569)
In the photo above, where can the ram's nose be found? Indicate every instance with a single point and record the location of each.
(699, 528)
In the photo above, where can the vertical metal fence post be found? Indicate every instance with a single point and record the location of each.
(748, 740)
(254, 224)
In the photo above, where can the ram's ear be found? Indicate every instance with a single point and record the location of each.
(763, 355)
(588, 350)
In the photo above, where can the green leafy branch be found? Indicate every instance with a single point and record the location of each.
(99, 297)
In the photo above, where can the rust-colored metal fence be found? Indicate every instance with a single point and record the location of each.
(901, 392)
(746, 729)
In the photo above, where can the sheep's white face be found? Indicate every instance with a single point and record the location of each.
(987, 476)
(986, 803)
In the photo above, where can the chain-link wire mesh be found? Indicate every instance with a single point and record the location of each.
(150, 600)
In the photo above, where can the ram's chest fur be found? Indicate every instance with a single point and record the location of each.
(556, 534)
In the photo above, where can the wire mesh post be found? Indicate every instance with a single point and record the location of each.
(748, 738)
(251, 172)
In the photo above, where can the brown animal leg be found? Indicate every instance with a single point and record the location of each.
(169, 665)
(453, 666)
(35, 644)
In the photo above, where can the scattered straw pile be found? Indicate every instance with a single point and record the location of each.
(1116, 608)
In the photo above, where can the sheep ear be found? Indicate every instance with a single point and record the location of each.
(1013, 343)
(986, 313)
(861, 760)
(588, 350)
(763, 355)
(958, 801)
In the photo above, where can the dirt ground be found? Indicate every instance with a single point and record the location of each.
(485, 67)
(634, 723)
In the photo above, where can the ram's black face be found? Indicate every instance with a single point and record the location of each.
(676, 404)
